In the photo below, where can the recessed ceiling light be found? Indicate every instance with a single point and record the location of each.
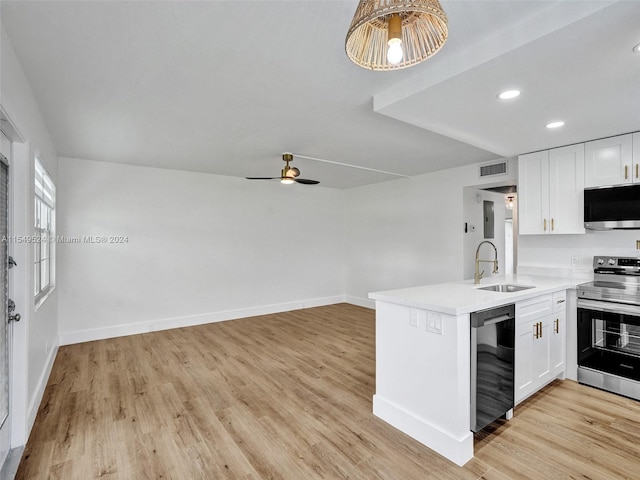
(636, 49)
(555, 124)
(508, 94)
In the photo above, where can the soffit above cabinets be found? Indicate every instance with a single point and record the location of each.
(583, 72)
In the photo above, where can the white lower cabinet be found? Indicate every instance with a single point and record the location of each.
(558, 344)
(540, 343)
(533, 357)
(559, 335)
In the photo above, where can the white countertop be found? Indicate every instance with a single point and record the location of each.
(458, 298)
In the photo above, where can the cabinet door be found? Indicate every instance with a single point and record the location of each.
(523, 375)
(566, 189)
(533, 193)
(608, 161)
(558, 343)
(541, 353)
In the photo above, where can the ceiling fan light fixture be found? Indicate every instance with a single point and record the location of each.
(288, 175)
(293, 172)
(395, 34)
(394, 39)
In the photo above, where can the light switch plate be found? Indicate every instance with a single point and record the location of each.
(434, 323)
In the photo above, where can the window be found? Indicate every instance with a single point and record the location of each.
(45, 202)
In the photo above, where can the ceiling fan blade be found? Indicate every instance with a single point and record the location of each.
(262, 178)
(306, 181)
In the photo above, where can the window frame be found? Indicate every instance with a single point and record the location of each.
(44, 233)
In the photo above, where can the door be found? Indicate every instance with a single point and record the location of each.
(609, 338)
(542, 352)
(608, 161)
(524, 382)
(492, 342)
(566, 189)
(533, 193)
(558, 343)
(5, 423)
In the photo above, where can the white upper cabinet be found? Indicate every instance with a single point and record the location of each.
(610, 161)
(550, 191)
(533, 192)
(566, 189)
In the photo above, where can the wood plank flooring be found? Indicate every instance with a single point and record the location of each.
(288, 396)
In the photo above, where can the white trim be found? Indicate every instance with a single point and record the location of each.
(23, 293)
(43, 296)
(458, 450)
(9, 127)
(360, 302)
(34, 404)
(79, 336)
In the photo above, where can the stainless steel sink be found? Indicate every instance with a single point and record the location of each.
(506, 287)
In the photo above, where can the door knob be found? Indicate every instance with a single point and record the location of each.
(11, 306)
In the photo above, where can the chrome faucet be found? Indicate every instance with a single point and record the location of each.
(478, 274)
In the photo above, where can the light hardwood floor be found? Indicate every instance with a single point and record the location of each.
(288, 396)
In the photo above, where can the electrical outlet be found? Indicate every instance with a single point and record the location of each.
(637, 244)
(575, 261)
(413, 318)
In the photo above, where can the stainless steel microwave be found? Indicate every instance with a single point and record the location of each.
(612, 208)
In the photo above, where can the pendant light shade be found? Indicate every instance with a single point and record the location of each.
(375, 41)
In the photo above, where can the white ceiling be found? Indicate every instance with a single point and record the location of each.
(225, 87)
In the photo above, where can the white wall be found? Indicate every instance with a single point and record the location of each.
(35, 336)
(408, 232)
(552, 253)
(473, 215)
(199, 248)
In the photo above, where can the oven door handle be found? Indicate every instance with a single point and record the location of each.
(609, 307)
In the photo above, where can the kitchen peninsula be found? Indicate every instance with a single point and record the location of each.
(423, 368)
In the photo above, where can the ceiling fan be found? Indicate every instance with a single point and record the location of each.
(288, 174)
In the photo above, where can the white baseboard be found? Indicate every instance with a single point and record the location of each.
(458, 450)
(80, 336)
(34, 403)
(361, 302)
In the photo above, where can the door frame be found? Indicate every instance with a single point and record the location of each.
(18, 331)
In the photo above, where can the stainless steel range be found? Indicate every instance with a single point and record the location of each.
(609, 326)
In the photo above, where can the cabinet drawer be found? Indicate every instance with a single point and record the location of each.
(560, 301)
(533, 308)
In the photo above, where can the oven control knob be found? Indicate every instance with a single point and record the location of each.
(612, 261)
(600, 261)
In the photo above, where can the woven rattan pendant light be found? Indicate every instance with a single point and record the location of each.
(421, 25)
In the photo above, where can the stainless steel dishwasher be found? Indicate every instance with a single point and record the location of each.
(492, 383)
